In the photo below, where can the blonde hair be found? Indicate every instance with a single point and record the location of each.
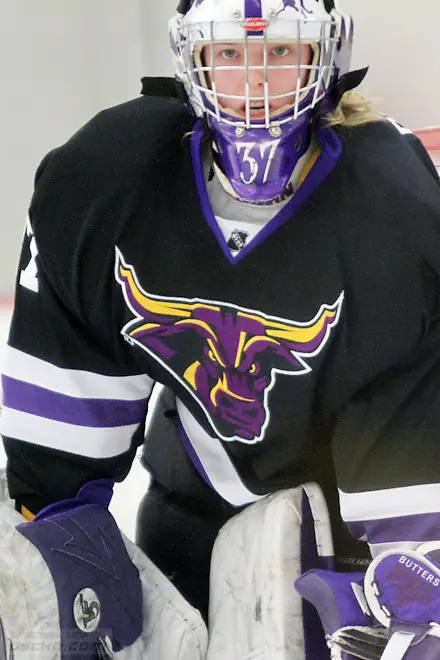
(354, 110)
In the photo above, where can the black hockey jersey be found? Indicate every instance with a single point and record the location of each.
(322, 335)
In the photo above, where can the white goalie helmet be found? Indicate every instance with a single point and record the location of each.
(201, 25)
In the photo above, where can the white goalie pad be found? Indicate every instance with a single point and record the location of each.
(255, 612)
(172, 629)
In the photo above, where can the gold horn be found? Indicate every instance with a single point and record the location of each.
(297, 333)
(155, 305)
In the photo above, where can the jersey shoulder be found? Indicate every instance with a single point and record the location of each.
(86, 190)
(117, 150)
(123, 138)
(389, 154)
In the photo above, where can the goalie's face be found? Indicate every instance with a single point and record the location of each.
(282, 82)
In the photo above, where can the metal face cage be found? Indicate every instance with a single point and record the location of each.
(322, 37)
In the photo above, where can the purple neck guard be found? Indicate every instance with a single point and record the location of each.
(259, 162)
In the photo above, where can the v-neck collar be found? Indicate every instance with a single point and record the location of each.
(331, 151)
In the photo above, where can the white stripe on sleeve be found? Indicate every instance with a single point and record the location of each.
(71, 382)
(390, 503)
(81, 440)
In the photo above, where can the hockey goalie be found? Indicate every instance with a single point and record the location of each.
(258, 239)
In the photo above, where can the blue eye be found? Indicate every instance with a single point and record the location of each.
(229, 53)
(281, 51)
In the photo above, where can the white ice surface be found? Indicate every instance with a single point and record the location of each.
(127, 494)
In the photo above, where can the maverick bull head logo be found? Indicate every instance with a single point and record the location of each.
(227, 357)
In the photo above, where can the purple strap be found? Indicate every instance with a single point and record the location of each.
(333, 596)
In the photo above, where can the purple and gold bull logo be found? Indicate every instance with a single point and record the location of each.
(227, 357)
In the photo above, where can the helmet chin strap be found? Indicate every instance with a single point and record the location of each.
(346, 83)
(164, 87)
(329, 5)
(184, 6)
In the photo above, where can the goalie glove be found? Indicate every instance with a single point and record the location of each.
(391, 613)
(68, 588)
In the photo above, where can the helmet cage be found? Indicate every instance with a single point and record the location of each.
(323, 36)
(257, 152)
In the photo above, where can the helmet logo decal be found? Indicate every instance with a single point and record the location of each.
(255, 24)
(298, 5)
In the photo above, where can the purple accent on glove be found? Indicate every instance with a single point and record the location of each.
(332, 595)
(83, 548)
(409, 587)
(420, 630)
(94, 492)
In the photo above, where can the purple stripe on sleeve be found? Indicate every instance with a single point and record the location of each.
(93, 413)
(356, 529)
(419, 528)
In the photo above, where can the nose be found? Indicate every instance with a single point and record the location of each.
(256, 75)
(256, 80)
